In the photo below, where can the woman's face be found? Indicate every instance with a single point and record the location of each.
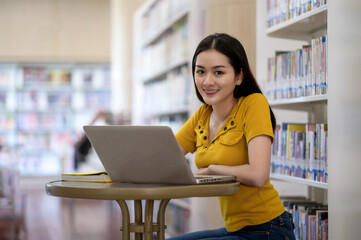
(215, 78)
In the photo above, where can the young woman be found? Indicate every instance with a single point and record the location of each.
(232, 134)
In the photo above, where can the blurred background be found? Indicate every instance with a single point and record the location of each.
(65, 64)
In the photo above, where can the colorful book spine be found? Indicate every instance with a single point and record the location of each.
(300, 150)
(271, 78)
(279, 11)
(295, 148)
(310, 150)
(310, 218)
(298, 73)
(323, 68)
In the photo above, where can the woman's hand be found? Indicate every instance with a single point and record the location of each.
(203, 171)
(254, 174)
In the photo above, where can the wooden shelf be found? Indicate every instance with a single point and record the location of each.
(299, 180)
(301, 27)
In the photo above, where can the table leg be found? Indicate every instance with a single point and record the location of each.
(161, 218)
(148, 226)
(125, 220)
(148, 221)
(138, 218)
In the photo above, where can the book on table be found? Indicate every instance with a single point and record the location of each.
(101, 176)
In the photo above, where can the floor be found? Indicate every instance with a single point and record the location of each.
(53, 218)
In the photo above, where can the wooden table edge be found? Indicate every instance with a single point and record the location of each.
(113, 191)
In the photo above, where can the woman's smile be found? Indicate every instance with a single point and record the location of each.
(211, 92)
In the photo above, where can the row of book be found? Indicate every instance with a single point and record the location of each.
(167, 51)
(43, 154)
(7, 74)
(42, 107)
(3, 99)
(57, 100)
(310, 218)
(30, 100)
(177, 219)
(43, 75)
(299, 73)
(33, 143)
(7, 121)
(167, 95)
(160, 14)
(39, 163)
(96, 77)
(93, 78)
(91, 100)
(56, 141)
(300, 150)
(44, 121)
(76, 77)
(279, 11)
(27, 155)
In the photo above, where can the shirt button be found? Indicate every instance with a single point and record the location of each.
(232, 123)
(201, 132)
(225, 128)
(205, 137)
(199, 127)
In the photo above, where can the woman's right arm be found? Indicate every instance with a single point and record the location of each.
(186, 136)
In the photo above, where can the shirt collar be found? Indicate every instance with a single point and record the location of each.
(203, 122)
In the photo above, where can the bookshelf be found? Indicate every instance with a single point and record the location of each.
(304, 26)
(296, 81)
(162, 89)
(43, 107)
(341, 22)
(162, 46)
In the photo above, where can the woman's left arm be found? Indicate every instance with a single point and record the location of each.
(254, 174)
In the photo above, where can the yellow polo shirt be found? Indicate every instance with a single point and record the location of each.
(249, 118)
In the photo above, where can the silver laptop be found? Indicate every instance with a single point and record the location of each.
(144, 154)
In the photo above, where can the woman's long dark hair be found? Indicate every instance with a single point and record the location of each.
(234, 50)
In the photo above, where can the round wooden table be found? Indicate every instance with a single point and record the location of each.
(138, 192)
